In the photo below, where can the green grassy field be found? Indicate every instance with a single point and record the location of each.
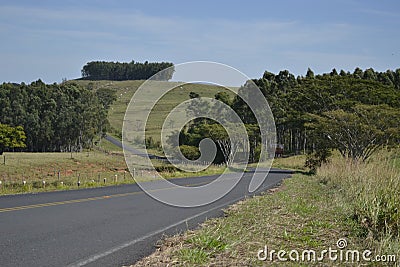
(125, 91)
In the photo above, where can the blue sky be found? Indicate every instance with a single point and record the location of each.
(52, 40)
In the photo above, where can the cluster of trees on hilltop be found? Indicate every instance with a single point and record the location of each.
(57, 117)
(355, 113)
(116, 71)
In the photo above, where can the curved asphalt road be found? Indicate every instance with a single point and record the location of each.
(108, 226)
(132, 150)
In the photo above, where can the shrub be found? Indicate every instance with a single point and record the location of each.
(190, 152)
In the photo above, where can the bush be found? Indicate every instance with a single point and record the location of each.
(190, 152)
(316, 159)
(166, 168)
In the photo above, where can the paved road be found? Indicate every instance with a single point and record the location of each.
(108, 226)
(131, 149)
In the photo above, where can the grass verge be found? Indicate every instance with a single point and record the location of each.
(306, 213)
(39, 172)
(370, 194)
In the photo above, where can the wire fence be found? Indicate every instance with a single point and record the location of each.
(64, 179)
(24, 172)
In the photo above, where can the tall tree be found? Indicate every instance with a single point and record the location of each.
(11, 137)
(310, 74)
(54, 117)
(357, 134)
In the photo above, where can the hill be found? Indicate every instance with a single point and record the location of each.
(126, 89)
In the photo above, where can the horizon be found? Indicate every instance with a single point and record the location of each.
(174, 80)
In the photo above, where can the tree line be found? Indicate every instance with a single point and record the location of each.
(56, 117)
(354, 113)
(116, 71)
(299, 104)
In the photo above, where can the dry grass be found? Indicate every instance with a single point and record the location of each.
(293, 163)
(61, 171)
(25, 172)
(370, 192)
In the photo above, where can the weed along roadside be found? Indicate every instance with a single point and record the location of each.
(308, 220)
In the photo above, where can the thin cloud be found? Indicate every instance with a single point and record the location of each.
(175, 29)
(93, 34)
(381, 13)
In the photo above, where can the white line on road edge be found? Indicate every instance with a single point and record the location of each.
(132, 242)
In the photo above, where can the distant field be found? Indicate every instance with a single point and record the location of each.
(125, 91)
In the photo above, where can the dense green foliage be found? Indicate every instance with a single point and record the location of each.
(359, 132)
(355, 113)
(57, 117)
(196, 131)
(190, 152)
(199, 128)
(293, 99)
(116, 71)
(11, 137)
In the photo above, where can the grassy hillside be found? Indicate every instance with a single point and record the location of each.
(125, 91)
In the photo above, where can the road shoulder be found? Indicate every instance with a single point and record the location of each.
(300, 214)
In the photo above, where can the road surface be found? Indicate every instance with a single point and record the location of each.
(108, 226)
(132, 150)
